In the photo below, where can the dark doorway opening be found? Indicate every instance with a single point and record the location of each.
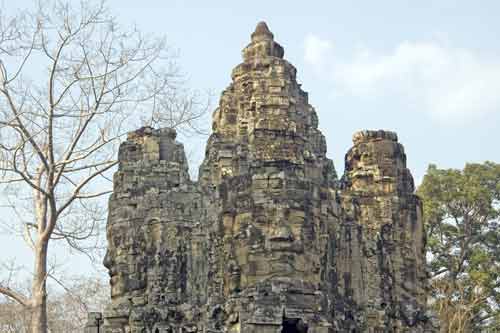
(293, 326)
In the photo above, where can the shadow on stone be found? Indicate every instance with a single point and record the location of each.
(293, 326)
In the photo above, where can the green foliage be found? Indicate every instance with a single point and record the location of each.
(461, 213)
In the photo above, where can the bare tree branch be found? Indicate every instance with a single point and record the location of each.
(21, 299)
(72, 83)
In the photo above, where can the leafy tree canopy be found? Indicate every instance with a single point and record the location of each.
(461, 213)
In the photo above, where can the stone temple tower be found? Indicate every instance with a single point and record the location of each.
(268, 239)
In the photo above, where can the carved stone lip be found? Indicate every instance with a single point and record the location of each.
(281, 238)
(286, 247)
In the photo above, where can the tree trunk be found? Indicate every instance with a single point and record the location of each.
(39, 290)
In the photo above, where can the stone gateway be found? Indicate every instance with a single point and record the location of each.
(269, 239)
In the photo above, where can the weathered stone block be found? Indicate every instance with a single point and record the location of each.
(268, 240)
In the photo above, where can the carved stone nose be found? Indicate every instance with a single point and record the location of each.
(282, 234)
(107, 260)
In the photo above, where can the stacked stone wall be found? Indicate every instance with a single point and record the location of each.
(268, 239)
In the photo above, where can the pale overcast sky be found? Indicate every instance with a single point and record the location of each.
(429, 70)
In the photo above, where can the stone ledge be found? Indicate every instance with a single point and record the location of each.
(372, 135)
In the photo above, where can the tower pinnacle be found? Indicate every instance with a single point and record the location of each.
(262, 44)
(262, 32)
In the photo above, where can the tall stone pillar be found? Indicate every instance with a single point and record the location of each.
(153, 212)
(278, 212)
(381, 258)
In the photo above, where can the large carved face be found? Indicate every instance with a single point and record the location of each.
(269, 243)
(116, 259)
(123, 259)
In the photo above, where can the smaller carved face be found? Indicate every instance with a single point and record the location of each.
(121, 252)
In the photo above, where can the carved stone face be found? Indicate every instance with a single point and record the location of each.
(124, 259)
(269, 243)
(285, 233)
(116, 260)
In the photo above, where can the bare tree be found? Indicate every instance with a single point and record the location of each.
(67, 308)
(71, 79)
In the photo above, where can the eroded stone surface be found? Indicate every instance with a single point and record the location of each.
(268, 239)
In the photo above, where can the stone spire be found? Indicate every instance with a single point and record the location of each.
(262, 45)
(262, 32)
(266, 160)
(267, 240)
(264, 117)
